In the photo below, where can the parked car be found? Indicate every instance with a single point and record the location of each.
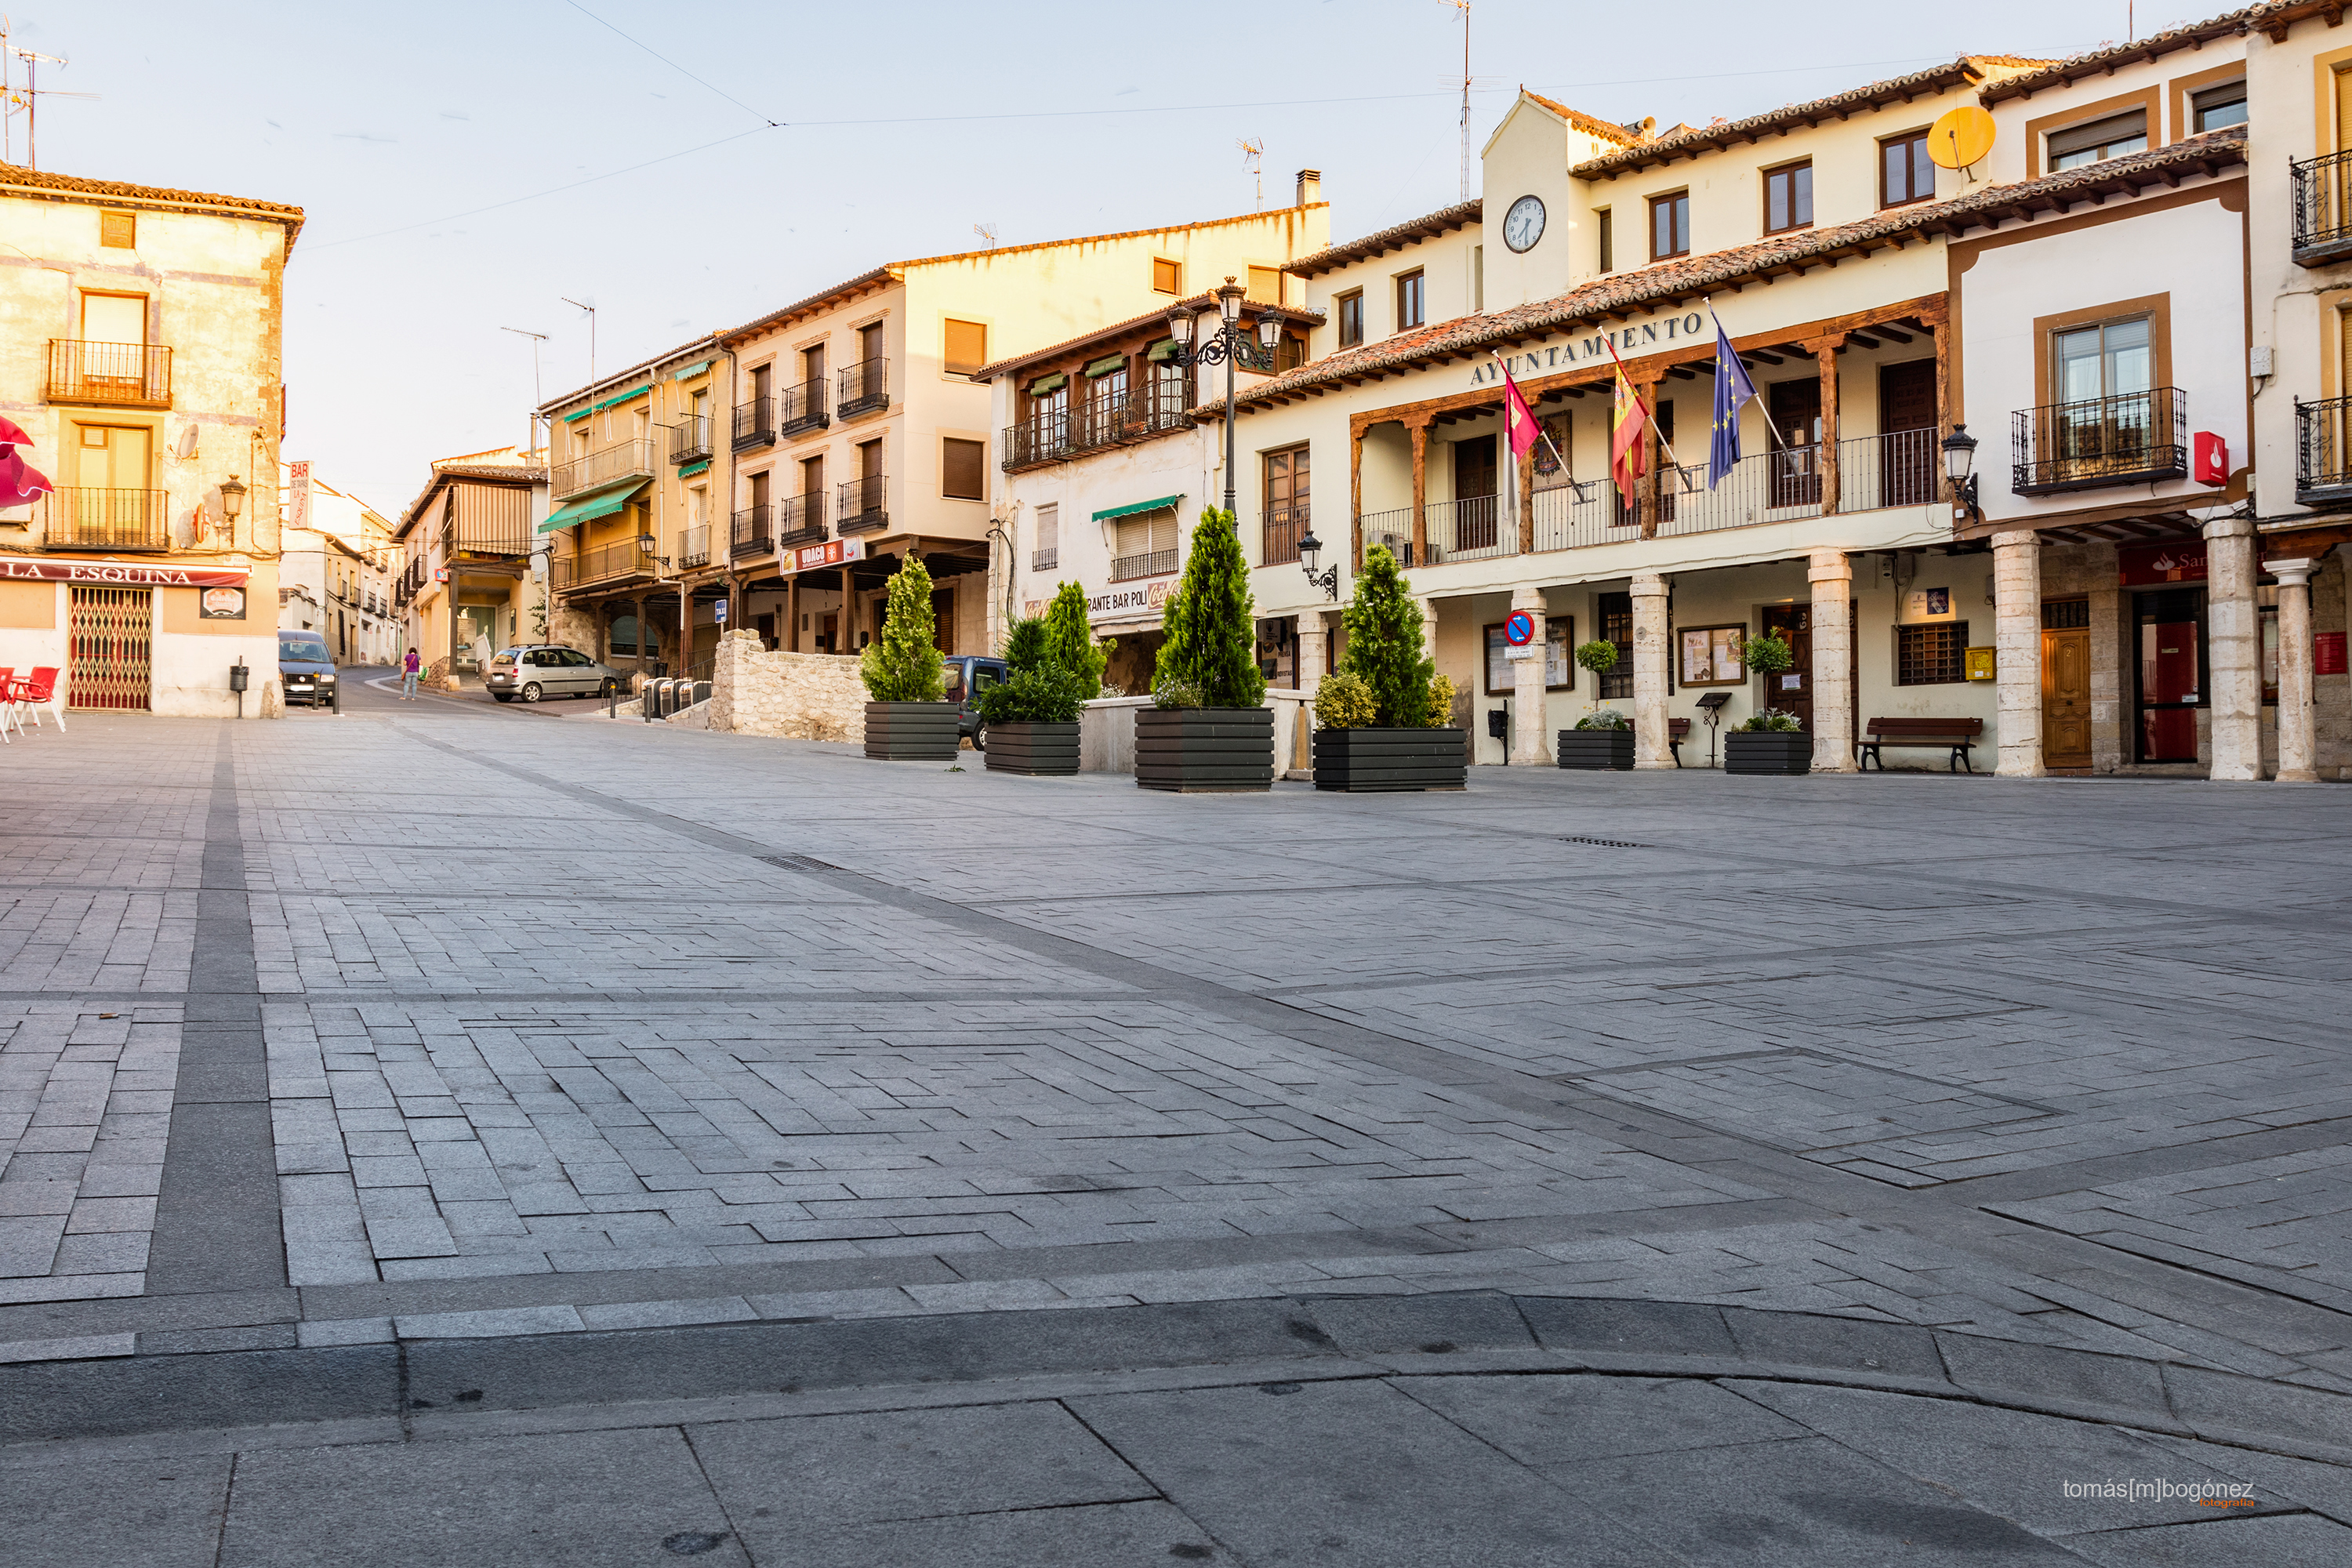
(969, 675)
(306, 670)
(535, 670)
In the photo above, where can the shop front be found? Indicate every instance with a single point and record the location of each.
(2165, 584)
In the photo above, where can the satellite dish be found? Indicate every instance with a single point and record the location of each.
(1960, 138)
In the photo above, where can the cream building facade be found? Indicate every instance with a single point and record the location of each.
(141, 351)
(467, 579)
(336, 569)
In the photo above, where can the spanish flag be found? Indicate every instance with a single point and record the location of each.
(1627, 459)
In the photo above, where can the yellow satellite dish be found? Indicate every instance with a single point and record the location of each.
(1960, 138)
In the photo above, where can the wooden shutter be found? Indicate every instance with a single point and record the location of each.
(961, 474)
(967, 347)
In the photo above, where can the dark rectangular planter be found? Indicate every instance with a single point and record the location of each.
(1032, 748)
(1595, 748)
(1204, 750)
(911, 731)
(1767, 752)
(1365, 759)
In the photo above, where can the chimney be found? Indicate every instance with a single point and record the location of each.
(1310, 187)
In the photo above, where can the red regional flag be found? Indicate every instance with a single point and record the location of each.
(1518, 419)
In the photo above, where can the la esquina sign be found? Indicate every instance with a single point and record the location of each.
(122, 574)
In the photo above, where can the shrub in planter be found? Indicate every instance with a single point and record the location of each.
(1602, 740)
(1033, 719)
(1069, 637)
(1208, 728)
(1383, 715)
(905, 678)
(1769, 743)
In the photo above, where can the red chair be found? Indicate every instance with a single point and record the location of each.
(39, 692)
(9, 702)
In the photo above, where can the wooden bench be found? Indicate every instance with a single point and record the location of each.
(1958, 734)
(1678, 732)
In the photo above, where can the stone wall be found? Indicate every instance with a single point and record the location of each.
(796, 696)
(1107, 731)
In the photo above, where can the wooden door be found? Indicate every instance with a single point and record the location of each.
(828, 634)
(1797, 416)
(2066, 683)
(1792, 691)
(1909, 451)
(1474, 494)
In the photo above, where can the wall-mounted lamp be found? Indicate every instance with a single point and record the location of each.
(1959, 457)
(1310, 556)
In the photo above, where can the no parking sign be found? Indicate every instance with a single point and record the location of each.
(1519, 634)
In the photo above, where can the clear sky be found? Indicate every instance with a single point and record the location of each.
(424, 140)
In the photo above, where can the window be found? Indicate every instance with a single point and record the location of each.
(1350, 307)
(1167, 278)
(1669, 226)
(1046, 552)
(760, 375)
(120, 231)
(1411, 301)
(960, 477)
(2099, 141)
(1617, 627)
(1265, 285)
(869, 340)
(1787, 199)
(869, 459)
(2218, 106)
(697, 506)
(2112, 359)
(967, 347)
(812, 477)
(1285, 504)
(813, 364)
(1905, 173)
(1932, 654)
(1603, 220)
(1143, 544)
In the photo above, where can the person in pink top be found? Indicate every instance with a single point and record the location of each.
(409, 665)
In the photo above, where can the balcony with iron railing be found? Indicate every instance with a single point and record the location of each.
(1283, 526)
(863, 507)
(1045, 560)
(2137, 438)
(690, 441)
(752, 533)
(633, 458)
(1144, 564)
(1043, 437)
(2322, 208)
(801, 409)
(2323, 452)
(865, 388)
(800, 520)
(693, 547)
(89, 519)
(755, 423)
(607, 564)
(119, 376)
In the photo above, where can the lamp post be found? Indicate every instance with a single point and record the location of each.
(1310, 556)
(1959, 457)
(1223, 346)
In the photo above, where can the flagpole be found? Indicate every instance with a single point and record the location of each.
(1541, 433)
(1647, 412)
(1771, 429)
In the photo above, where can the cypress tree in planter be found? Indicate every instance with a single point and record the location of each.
(1209, 728)
(904, 677)
(1769, 742)
(1602, 738)
(1032, 715)
(1381, 719)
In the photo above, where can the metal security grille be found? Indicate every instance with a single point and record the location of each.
(2065, 614)
(110, 635)
(1931, 655)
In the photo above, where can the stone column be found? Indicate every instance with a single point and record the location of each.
(1650, 748)
(1528, 705)
(1308, 658)
(2298, 730)
(1832, 575)
(2233, 649)
(2017, 651)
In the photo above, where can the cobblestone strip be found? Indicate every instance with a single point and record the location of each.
(216, 1218)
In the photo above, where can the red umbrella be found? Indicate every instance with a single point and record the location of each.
(12, 435)
(19, 480)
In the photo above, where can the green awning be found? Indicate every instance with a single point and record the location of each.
(589, 508)
(1046, 385)
(613, 402)
(1162, 352)
(1107, 365)
(691, 469)
(690, 372)
(1139, 506)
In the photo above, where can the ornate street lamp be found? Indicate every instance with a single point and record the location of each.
(232, 496)
(1310, 556)
(1959, 457)
(1223, 346)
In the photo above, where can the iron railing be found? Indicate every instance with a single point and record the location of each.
(755, 423)
(2137, 438)
(1150, 564)
(2323, 451)
(864, 387)
(621, 460)
(1043, 437)
(1045, 560)
(606, 563)
(800, 520)
(862, 508)
(89, 519)
(1283, 526)
(1470, 529)
(1093, 423)
(1392, 528)
(752, 532)
(124, 375)
(694, 546)
(2323, 207)
(690, 441)
(802, 408)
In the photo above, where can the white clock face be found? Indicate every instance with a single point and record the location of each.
(1523, 225)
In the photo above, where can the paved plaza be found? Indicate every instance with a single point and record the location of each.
(437, 1064)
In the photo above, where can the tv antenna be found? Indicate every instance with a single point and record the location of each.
(1254, 154)
(592, 334)
(1464, 7)
(26, 98)
(986, 231)
(536, 396)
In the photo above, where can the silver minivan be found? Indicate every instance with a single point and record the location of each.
(545, 669)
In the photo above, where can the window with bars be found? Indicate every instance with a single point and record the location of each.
(1933, 654)
(1617, 626)
(2065, 614)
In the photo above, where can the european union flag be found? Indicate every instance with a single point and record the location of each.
(1733, 391)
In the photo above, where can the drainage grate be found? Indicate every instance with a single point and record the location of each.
(1602, 842)
(799, 863)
